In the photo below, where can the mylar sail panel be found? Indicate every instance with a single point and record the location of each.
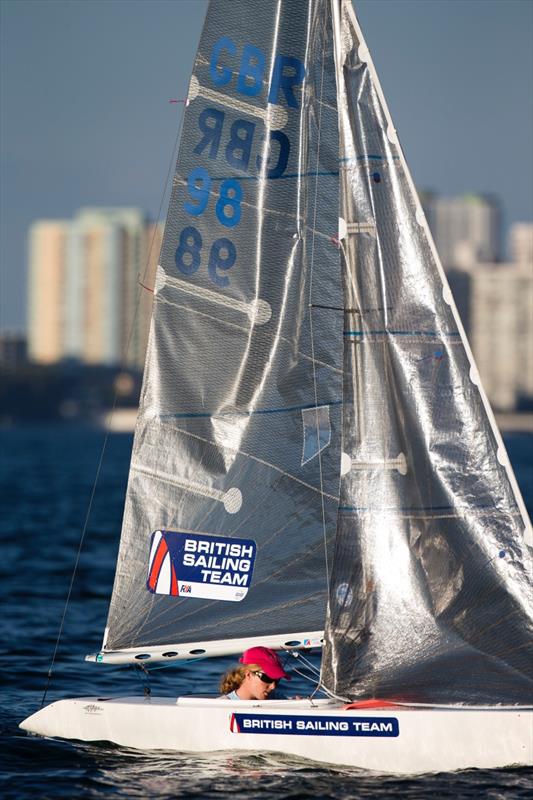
(244, 344)
(431, 594)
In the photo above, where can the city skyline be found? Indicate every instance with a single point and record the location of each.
(457, 78)
(84, 302)
(84, 275)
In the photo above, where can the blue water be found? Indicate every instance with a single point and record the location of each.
(47, 477)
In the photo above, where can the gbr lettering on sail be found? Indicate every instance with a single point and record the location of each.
(244, 70)
(253, 142)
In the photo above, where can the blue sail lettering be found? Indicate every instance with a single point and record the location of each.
(286, 81)
(250, 80)
(287, 73)
(221, 75)
(210, 123)
(239, 146)
(238, 151)
(276, 170)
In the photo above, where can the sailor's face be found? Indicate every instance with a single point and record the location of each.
(260, 685)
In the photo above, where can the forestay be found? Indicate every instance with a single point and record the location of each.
(233, 489)
(431, 595)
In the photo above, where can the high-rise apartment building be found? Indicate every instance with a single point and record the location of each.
(495, 302)
(466, 229)
(521, 243)
(46, 298)
(152, 243)
(501, 332)
(84, 294)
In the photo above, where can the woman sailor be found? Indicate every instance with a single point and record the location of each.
(257, 678)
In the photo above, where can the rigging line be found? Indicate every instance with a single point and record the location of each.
(106, 437)
(74, 571)
(308, 664)
(311, 330)
(331, 694)
(301, 656)
(253, 458)
(316, 679)
(310, 678)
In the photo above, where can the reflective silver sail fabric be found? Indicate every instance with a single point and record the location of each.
(431, 593)
(244, 345)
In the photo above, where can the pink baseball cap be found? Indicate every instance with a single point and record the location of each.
(267, 659)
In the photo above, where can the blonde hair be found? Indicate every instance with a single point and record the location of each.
(235, 676)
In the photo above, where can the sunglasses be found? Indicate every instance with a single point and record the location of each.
(266, 678)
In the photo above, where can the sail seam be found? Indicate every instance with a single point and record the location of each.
(258, 310)
(388, 332)
(259, 461)
(165, 301)
(238, 414)
(179, 181)
(402, 513)
(278, 115)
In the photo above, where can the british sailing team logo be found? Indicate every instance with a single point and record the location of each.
(198, 565)
(309, 725)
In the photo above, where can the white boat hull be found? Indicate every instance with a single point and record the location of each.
(388, 740)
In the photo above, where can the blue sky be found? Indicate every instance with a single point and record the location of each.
(85, 117)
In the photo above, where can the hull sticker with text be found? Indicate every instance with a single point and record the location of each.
(314, 726)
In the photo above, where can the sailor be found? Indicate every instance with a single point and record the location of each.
(257, 678)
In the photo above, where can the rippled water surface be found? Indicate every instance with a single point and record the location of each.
(47, 477)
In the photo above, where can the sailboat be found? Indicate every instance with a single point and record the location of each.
(315, 462)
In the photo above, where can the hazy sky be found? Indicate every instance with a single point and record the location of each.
(85, 117)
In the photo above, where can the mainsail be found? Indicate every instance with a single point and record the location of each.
(235, 463)
(431, 594)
